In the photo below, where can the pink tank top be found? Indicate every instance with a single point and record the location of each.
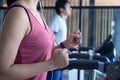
(37, 45)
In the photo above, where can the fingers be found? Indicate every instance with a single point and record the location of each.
(60, 58)
(77, 32)
(76, 47)
(66, 57)
(78, 37)
(66, 51)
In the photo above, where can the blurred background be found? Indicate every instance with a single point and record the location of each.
(96, 19)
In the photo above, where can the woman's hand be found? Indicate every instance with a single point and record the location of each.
(73, 40)
(59, 58)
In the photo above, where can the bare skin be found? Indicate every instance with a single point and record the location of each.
(11, 36)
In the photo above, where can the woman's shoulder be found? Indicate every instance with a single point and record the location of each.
(15, 18)
(17, 13)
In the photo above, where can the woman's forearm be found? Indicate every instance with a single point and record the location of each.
(24, 71)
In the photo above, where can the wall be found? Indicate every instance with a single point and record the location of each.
(107, 2)
(117, 32)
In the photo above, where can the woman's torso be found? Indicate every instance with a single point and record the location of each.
(37, 45)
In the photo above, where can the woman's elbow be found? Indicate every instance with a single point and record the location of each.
(3, 73)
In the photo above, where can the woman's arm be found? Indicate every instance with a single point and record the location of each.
(15, 27)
